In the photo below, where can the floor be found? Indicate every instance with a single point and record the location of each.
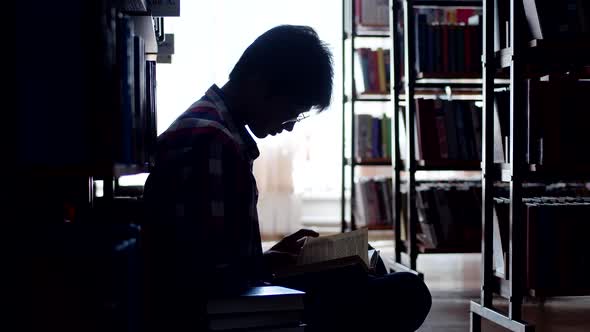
(454, 280)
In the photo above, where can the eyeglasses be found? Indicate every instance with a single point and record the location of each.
(297, 119)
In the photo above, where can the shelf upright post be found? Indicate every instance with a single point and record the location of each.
(395, 153)
(487, 175)
(352, 121)
(487, 180)
(409, 57)
(344, 100)
(517, 163)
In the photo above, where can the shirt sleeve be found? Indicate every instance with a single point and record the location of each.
(205, 197)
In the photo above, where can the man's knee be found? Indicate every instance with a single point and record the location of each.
(410, 297)
(418, 296)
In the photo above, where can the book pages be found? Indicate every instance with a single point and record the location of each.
(335, 246)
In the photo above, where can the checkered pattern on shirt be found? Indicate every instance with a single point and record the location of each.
(203, 185)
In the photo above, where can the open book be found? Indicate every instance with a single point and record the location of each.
(333, 251)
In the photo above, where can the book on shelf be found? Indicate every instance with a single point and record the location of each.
(540, 201)
(373, 202)
(557, 117)
(556, 246)
(372, 137)
(374, 65)
(557, 19)
(448, 130)
(125, 59)
(449, 214)
(136, 128)
(325, 253)
(371, 15)
(151, 113)
(448, 42)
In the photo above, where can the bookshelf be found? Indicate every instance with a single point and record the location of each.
(526, 58)
(86, 105)
(366, 83)
(456, 85)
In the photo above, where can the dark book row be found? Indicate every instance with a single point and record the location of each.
(557, 189)
(373, 202)
(373, 137)
(556, 231)
(448, 49)
(137, 78)
(556, 119)
(371, 15)
(91, 104)
(448, 130)
(449, 214)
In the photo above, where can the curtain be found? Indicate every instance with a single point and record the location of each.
(279, 206)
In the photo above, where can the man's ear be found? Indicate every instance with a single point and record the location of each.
(259, 87)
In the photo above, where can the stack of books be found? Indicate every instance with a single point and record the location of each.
(264, 308)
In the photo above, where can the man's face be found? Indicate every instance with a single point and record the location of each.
(273, 116)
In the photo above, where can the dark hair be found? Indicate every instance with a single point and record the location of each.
(295, 63)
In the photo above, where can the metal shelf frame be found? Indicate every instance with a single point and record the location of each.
(411, 83)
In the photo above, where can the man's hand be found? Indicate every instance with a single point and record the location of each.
(292, 244)
(285, 252)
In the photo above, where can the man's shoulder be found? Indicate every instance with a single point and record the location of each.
(200, 121)
(197, 128)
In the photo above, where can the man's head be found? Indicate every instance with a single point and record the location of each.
(285, 72)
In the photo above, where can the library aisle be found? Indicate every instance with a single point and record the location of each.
(454, 280)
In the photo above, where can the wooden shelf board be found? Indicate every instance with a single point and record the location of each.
(460, 165)
(369, 162)
(372, 97)
(443, 250)
(86, 170)
(448, 75)
(447, 3)
(534, 172)
(380, 227)
(501, 287)
(372, 34)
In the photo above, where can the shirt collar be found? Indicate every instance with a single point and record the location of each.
(233, 121)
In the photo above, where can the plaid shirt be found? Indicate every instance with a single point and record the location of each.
(201, 197)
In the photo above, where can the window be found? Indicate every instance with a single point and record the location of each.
(210, 36)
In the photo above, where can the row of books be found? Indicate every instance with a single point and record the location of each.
(542, 19)
(373, 137)
(137, 77)
(551, 19)
(450, 214)
(371, 15)
(556, 119)
(448, 130)
(373, 202)
(374, 65)
(448, 49)
(535, 189)
(556, 257)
